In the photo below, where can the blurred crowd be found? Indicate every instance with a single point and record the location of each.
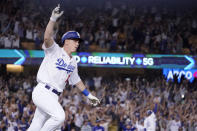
(137, 26)
(125, 104)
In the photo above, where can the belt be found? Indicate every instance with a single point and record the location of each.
(53, 90)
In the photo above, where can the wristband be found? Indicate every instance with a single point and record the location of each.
(85, 92)
(52, 19)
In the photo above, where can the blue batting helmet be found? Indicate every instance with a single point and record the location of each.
(71, 35)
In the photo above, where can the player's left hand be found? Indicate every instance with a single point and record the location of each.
(94, 100)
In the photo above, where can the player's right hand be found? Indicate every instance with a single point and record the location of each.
(56, 13)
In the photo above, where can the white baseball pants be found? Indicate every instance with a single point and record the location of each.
(49, 114)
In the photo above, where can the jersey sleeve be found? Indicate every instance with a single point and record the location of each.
(74, 77)
(51, 50)
(155, 109)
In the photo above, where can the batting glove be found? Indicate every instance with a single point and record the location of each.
(93, 100)
(56, 13)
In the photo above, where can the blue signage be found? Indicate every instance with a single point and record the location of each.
(170, 74)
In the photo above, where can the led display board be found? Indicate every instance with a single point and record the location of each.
(98, 59)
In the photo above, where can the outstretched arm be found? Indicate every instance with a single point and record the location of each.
(48, 34)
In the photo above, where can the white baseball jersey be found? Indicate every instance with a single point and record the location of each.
(150, 122)
(57, 68)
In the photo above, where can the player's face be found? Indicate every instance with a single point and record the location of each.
(73, 44)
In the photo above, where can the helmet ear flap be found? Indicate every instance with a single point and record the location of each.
(62, 42)
(63, 39)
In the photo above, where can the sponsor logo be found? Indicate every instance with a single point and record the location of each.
(114, 60)
(187, 74)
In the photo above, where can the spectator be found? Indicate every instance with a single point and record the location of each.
(98, 127)
(86, 126)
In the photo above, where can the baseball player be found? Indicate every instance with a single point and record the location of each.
(57, 68)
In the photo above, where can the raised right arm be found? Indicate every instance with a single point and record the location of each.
(48, 34)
